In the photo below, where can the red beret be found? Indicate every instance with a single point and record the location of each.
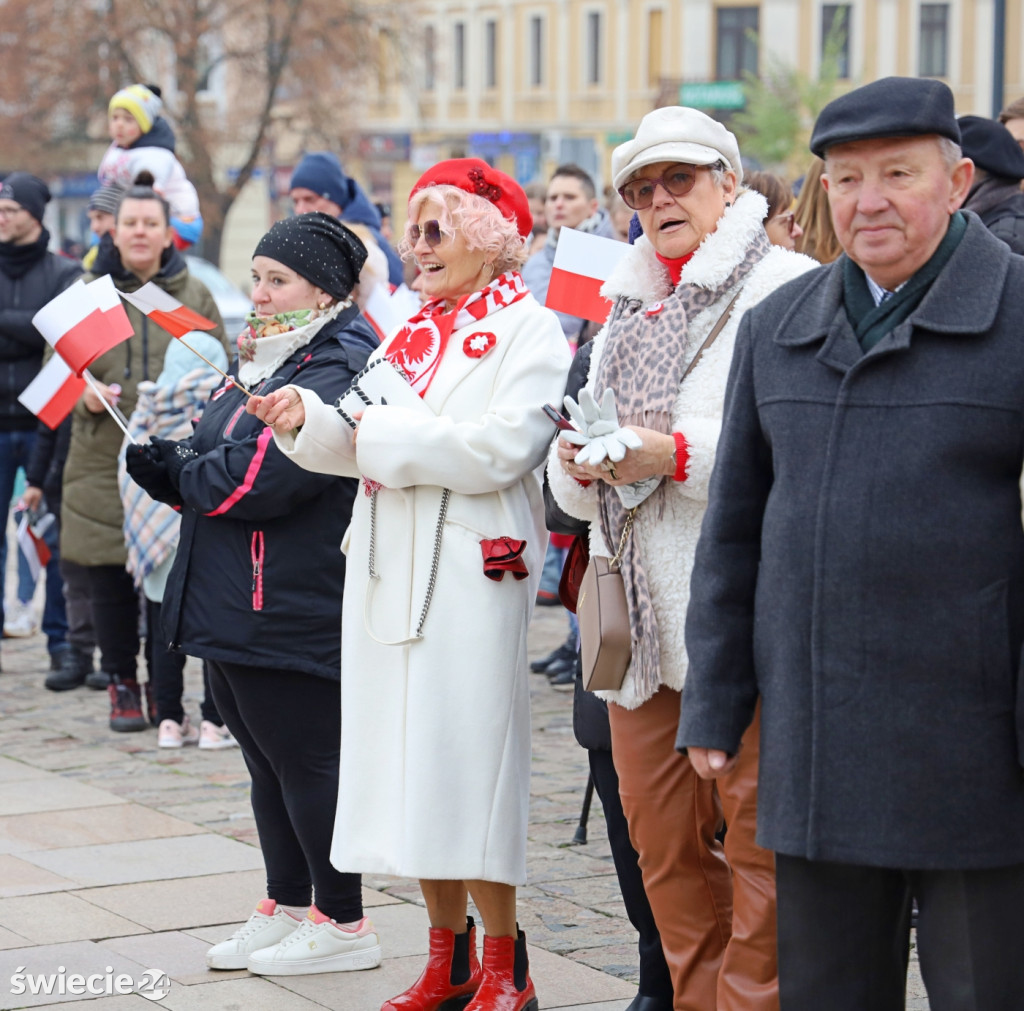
(475, 176)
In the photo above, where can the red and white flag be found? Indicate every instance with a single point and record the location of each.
(166, 311)
(582, 264)
(386, 311)
(52, 394)
(84, 322)
(30, 540)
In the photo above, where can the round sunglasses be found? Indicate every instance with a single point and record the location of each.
(430, 230)
(638, 194)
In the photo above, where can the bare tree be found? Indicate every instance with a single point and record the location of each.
(237, 77)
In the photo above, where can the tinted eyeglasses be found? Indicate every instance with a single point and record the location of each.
(430, 230)
(678, 180)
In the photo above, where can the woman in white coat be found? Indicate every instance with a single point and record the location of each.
(444, 556)
(703, 259)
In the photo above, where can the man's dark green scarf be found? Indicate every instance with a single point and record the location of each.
(872, 322)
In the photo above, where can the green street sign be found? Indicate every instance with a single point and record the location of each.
(712, 95)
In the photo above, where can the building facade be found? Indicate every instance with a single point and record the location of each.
(527, 84)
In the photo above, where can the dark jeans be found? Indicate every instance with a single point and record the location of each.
(165, 674)
(288, 725)
(655, 980)
(15, 449)
(844, 936)
(115, 618)
(81, 634)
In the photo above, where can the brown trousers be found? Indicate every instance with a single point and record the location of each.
(714, 905)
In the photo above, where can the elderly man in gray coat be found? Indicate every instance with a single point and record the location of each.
(861, 571)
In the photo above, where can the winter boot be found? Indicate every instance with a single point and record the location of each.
(74, 667)
(506, 983)
(99, 680)
(126, 706)
(451, 976)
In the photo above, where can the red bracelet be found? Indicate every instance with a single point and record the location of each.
(682, 456)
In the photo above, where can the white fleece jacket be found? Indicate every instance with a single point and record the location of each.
(667, 545)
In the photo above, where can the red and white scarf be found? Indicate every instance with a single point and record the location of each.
(419, 346)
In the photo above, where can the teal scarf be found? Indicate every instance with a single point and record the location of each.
(872, 322)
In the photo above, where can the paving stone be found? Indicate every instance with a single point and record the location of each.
(180, 955)
(81, 957)
(188, 902)
(15, 772)
(249, 994)
(148, 859)
(49, 792)
(18, 877)
(9, 939)
(87, 826)
(59, 917)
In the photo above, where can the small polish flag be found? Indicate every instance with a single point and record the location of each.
(84, 322)
(36, 553)
(52, 394)
(166, 311)
(582, 264)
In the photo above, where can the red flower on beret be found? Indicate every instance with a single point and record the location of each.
(475, 176)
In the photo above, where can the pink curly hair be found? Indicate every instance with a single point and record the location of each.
(481, 224)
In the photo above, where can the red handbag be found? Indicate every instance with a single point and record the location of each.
(572, 572)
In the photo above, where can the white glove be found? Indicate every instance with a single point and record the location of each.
(599, 432)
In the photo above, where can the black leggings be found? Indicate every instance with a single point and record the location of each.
(289, 727)
(115, 618)
(166, 674)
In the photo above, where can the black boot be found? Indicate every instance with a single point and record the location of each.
(557, 660)
(72, 672)
(98, 680)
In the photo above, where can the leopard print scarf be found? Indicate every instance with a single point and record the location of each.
(646, 352)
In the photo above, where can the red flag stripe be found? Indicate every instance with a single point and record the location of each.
(180, 321)
(577, 295)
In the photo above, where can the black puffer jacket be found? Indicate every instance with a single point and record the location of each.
(46, 463)
(21, 344)
(258, 577)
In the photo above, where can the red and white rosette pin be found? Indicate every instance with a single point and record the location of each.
(654, 308)
(476, 345)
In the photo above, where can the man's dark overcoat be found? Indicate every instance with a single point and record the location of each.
(861, 565)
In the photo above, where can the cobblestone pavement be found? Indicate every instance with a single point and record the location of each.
(116, 854)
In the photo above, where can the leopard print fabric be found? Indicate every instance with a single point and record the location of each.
(643, 360)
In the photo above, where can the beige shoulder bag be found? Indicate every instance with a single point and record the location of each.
(605, 636)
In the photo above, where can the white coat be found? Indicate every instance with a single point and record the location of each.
(667, 543)
(435, 742)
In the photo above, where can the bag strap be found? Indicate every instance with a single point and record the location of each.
(713, 336)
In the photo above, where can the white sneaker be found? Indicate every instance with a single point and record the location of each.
(19, 620)
(267, 925)
(172, 734)
(214, 738)
(319, 945)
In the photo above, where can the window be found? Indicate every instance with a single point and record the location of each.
(835, 37)
(655, 23)
(934, 40)
(459, 56)
(593, 47)
(536, 51)
(429, 58)
(490, 54)
(737, 42)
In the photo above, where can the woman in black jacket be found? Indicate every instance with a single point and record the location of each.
(256, 591)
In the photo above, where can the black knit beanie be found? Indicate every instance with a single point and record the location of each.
(319, 248)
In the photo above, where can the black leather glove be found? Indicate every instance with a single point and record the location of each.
(147, 469)
(175, 455)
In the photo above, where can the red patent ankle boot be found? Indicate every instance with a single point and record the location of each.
(451, 976)
(506, 984)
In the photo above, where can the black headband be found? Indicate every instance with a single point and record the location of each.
(319, 248)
